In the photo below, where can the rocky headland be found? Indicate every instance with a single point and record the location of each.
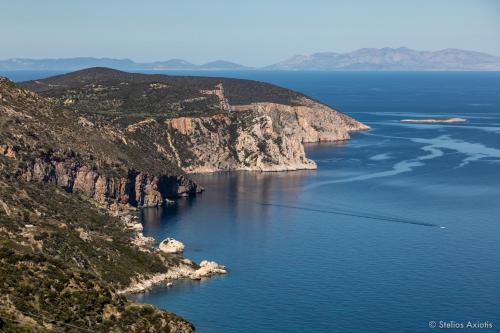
(202, 124)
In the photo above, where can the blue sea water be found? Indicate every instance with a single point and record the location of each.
(398, 227)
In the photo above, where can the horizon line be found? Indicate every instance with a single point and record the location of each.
(234, 61)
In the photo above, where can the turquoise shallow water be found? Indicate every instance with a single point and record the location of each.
(398, 226)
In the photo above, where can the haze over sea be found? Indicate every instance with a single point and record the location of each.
(398, 226)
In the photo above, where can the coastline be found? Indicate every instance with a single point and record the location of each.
(185, 269)
(119, 172)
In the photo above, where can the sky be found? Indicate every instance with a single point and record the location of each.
(254, 33)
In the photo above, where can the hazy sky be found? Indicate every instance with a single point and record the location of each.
(252, 32)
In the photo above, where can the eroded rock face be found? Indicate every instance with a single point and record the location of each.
(137, 189)
(260, 137)
(170, 245)
(228, 142)
(312, 121)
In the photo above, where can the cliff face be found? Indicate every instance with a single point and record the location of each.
(137, 189)
(235, 142)
(260, 136)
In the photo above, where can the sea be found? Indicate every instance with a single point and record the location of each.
(398, 230)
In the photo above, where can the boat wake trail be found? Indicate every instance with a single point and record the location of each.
(355, 214)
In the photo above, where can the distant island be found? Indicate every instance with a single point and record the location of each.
(72, 64)
(365, 59)
(434, 120)
(390, 59)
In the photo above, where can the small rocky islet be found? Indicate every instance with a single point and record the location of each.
(434, 120)
(81, 152)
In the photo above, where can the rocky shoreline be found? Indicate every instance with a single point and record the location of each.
(185, 269)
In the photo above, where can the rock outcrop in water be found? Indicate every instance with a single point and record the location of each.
(434, 120)
(185, 269)
(170, 245)
(208, 269)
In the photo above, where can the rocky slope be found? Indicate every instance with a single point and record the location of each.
(204, 124)
(63, 257)
(63, 263)
(59, 146)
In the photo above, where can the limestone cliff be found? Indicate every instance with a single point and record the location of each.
(137, 188)
(260, 136)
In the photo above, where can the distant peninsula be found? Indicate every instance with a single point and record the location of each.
(365, 59)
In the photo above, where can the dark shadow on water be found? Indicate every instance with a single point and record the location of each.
(235, 191)
(153, 217)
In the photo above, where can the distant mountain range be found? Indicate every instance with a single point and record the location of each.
(367, 59)
(389, 59)
(72, 64)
